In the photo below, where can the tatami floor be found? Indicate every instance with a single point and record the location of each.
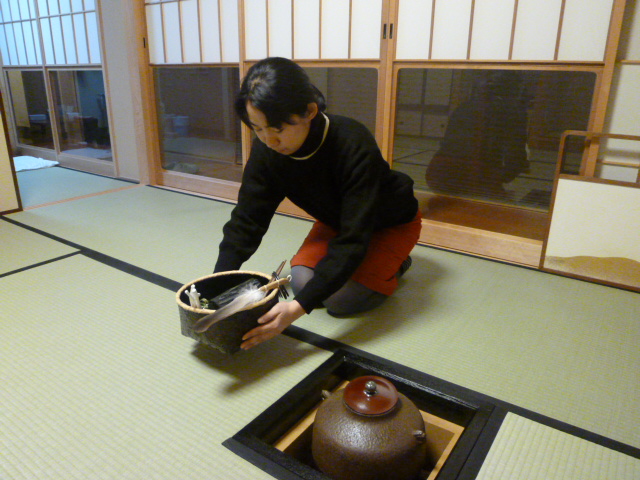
(98, 383)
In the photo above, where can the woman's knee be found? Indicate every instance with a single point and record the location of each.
(300, 276)
(353, 298)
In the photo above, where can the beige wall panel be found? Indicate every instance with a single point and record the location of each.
(190, 31)
(365, 28)
(172, 37)
(491, 33)
(230, 30)
(603, 229)
(306, 29)
(585, 27)
(280, 24)
(122, 86)
(210, 31)
(335, 29)
(154, 33)
(413, 29)
(8, 193)
(255, 27)
(452, 19)
(536, 29)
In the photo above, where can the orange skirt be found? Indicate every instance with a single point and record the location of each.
(386, 252)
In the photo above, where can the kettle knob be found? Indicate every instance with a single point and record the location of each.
(370, 395)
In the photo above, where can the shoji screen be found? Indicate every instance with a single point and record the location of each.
(313, 29)
(540, 30)
(69, 32)
(192, 31)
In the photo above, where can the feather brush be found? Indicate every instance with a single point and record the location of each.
(241, 302)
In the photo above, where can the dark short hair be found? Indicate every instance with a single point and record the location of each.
(279, 88)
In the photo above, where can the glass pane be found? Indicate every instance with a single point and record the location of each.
(81, 112)
(489, 135)
(199, 129)
(351, 92)
(30, 110)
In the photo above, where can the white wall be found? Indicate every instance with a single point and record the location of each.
(623, 114)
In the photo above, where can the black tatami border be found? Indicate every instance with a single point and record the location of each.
(479, 453)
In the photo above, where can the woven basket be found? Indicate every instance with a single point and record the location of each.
(225, 335)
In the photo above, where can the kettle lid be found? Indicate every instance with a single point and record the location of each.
(370, 395)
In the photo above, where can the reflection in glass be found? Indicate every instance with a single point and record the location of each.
(199, 129)
(351, 92)
(30, 109)
(81, 111)
(489, 135)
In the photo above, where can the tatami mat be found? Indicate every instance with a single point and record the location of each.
(22, 248)
(168, 233)
(98, 383)
(557, 346)
(54, 184)
(560, 347)
(525, 450)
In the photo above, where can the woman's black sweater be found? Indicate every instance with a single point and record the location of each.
(346, 184)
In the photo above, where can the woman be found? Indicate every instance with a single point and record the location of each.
(367, 218)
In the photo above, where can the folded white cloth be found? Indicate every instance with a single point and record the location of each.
(32, 163)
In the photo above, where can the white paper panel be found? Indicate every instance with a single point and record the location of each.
(89, 4)
(306, 29)
(255, 27)
(69, 39)
(230, 31)
(190, 31)
(366, 28)
(280, 25)
(77, 5)
(14, 10)
(81, 38)
(31, 44)
(154, 31)
(6, 59)
(58, 40)
(413, 30)
(54, 7)
(631, 36)
(624, 113)
(43, 8)
(32, 9)
(584, 30)
(536, 29)
(65, 6)
(172, 36)
(210, 34)
(6, 10)
(38, 50)
(94, 37)
(491, 33)
(11, 44)
(452, 20)
(47, 41)
(19, 39)
(335, 29)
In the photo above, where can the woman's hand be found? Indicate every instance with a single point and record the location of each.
(274, 322)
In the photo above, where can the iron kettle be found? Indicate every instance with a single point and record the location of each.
(369, 431)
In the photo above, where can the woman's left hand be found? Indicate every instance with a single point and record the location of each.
(274, 322)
